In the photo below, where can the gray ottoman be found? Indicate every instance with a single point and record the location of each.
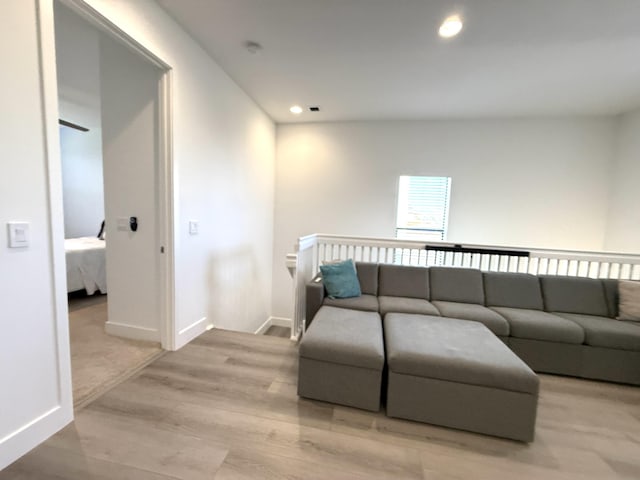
(456, 373)
(341, 358)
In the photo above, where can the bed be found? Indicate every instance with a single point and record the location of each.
(86, 264)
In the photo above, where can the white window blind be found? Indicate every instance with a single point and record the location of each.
(423, 208)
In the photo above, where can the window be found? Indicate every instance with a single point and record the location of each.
(423, 208)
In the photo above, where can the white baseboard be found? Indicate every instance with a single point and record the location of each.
(131, 331)
(264, 327)
(29, 436)
(296, 337)
(281, 322)
(192, 331)
(273, 321)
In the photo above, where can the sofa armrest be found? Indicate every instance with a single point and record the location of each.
(314, 297)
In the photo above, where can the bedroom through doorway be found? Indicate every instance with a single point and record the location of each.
(100, 111)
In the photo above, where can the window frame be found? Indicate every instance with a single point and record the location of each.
(446, 214)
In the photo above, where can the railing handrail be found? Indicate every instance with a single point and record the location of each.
(306, 241)
(332, 239)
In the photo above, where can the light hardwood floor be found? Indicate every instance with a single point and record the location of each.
(276, 331)
(225, 407)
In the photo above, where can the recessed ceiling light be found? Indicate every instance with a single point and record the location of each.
(296, 109)
(450, 27)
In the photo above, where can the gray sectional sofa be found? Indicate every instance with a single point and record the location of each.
(440, 337)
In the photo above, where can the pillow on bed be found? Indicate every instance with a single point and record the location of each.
(629, 300)
(341, 280)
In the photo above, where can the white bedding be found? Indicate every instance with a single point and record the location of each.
(86, 264)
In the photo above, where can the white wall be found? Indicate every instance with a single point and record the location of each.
(224, 154)
(534, 183)
(78, 73)
(623, 228)
(82, 181)
(35, 386)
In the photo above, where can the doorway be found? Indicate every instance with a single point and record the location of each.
(104, 79)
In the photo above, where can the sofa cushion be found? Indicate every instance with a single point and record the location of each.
(314, 297)
(345, 336)
(538, 325)
(456, 351)
(368, 277)
(341, 279)
(365, 303)
(574, 295)
(478, 313)
(406, 305)
(403, 281)
(607, 332)
(462, 285)
(514, 290)
(629, 300)
(611, 294)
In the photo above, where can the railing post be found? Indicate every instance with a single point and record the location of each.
(301, 266)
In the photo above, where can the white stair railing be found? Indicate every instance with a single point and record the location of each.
(312, 250)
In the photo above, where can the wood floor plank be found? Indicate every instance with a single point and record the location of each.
(366, 457)
(444, 460)
(243, 465)
(129, 404)
(234, 395)
(50, 463)
(140, 445)
(226, 407)
(277, 331)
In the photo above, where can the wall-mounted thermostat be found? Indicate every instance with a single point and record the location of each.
(18, 234)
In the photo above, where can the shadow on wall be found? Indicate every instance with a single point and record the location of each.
(239, 299)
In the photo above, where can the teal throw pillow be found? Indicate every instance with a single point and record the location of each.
(341, 280)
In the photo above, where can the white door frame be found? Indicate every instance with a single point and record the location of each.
(165, 208)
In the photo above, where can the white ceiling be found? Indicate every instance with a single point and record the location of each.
(383, 59)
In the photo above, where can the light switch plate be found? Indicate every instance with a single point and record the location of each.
(122, 224)
(18, 234)
(193, 227)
